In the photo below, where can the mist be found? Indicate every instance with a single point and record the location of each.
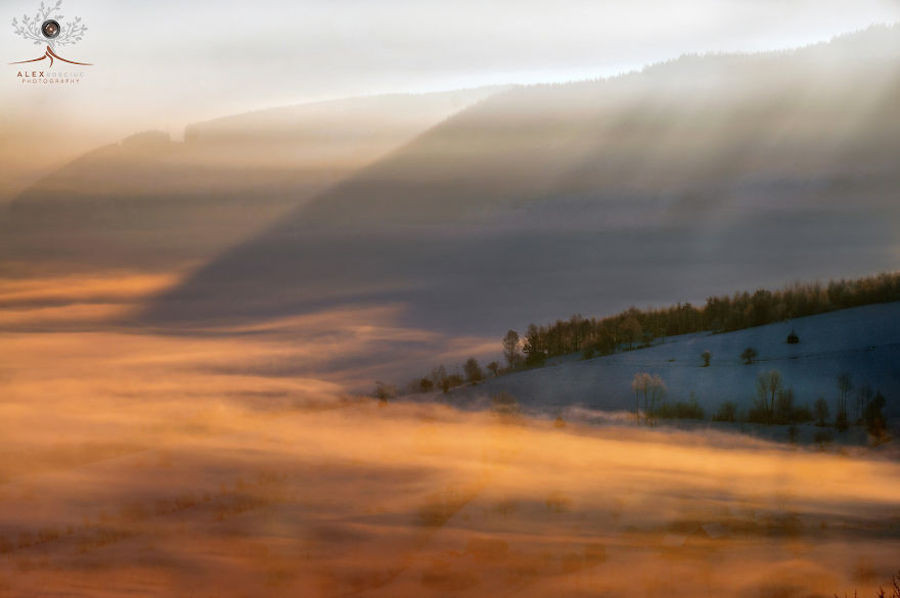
(165, 66)
(256, 266)
(132, 462)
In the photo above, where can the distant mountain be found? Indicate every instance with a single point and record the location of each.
(149, 199)
(689, 178)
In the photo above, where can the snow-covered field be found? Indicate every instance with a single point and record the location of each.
(864, 342)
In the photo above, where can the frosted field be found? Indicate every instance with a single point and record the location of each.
(864, 342)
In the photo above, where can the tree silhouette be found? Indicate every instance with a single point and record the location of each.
(651, 388)
(821, 410)
(864, 394)
(511, 349)
(383, 391)
(844, 385)
(631, 330)
(876, 424)
(727, 412)
(767, 386)
(473, 370)
(749, 355)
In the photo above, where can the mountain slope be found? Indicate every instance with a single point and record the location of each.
(689, 178)
(148, 198)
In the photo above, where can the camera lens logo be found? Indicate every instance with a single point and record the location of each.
(50, 29)
(48, 26)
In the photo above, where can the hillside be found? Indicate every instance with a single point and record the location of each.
(686, 179)
(862, 341)
(148, 199)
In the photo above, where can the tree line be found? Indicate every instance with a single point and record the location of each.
(635, 327)
(775, 404)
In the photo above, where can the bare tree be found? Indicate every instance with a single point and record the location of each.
(657, 392)
(767, 386)
(639, 386)
(511, 349)
(844, 385)
(473, 370)
(384, 392)
(651, 388)
(439, 376)
(631, 330)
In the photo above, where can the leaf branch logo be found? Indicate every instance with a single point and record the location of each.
(48, 26)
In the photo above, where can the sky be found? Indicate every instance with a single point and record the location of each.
(165, 64)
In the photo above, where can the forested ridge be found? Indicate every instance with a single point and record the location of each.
(639, 327)
(635, 328)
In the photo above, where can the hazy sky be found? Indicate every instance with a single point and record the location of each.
(167, 63)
